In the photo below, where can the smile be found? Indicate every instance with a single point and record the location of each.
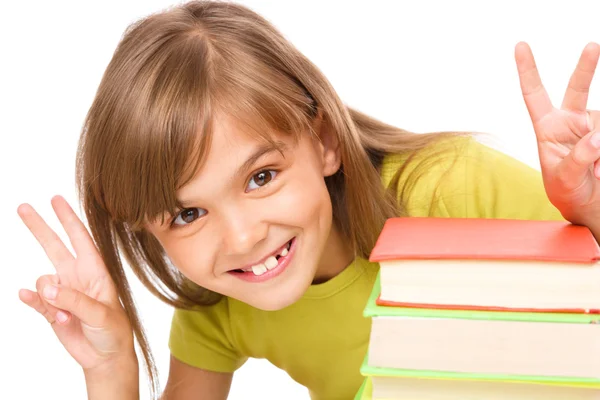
(269, 268)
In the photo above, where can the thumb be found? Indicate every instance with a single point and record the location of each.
(575, 167)
(90, 311)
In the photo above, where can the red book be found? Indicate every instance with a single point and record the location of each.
(491, 264)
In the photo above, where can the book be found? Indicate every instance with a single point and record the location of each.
(387, 385)
(403, 381)
(365, 391)
(488, 345)
(508, 309)
(550, 347)
(488, 264)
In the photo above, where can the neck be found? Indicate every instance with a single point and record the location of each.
(336, 257)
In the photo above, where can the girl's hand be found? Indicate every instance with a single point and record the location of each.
(80, 301)
(568, 138)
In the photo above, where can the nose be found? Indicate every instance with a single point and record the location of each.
(243, 230)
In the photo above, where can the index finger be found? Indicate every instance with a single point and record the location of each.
(536, 98)
(55, 249)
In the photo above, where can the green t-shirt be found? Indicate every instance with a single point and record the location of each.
(322, 339)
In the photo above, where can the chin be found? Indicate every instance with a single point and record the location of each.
(281, 295)
(276, 303)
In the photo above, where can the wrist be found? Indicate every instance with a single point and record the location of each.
(590, 220)
(115, 379)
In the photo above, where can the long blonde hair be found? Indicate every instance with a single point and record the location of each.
(149, 127)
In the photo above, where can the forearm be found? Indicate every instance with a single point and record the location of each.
(116, 382)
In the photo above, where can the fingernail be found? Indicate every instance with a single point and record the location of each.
(50, 292)
(61, 317)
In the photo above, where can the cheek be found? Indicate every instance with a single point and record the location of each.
(304, 201)
(188, 256)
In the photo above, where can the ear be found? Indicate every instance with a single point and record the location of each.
(328, 145)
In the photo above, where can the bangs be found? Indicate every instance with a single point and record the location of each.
(150, 127)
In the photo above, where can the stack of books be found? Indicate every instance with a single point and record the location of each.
(484, 309)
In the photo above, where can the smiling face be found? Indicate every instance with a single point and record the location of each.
(257, 218)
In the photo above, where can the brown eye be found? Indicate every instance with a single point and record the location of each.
(188, 215)
(261, 179)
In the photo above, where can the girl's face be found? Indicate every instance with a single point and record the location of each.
(256, 219)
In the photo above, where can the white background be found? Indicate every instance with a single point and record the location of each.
(420, 65)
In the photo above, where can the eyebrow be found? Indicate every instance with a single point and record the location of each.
(258, 153)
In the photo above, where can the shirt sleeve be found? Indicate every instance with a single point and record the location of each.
(466, 179)
(202, 338)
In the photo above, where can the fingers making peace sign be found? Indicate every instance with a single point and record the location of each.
(80, 300)
(568, 138)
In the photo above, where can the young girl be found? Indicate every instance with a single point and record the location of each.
(242, 191)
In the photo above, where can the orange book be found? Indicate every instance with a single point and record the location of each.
(488, 264)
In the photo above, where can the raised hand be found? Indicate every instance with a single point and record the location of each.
(80, 301)
(568, 138)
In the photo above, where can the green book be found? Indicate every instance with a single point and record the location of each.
(367, 371)
(374, 310)
(365, 391)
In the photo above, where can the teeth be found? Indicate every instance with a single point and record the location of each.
(259, 269)
(271, 262)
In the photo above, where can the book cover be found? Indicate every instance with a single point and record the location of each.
(389, 303)
(367, 370)
(485, 239)
(365, 391)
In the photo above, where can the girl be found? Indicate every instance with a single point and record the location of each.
(223, 166)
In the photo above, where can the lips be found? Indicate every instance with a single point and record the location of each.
(280, 260)
(267, 263)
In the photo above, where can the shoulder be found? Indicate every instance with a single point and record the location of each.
(461, 177)
(424, 174)
(438, 157)
(202, 337)
(217, 313)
